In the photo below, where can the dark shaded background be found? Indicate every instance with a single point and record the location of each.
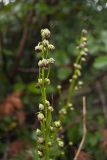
(20, 25)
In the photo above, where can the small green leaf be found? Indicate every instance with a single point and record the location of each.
(100, 62)
(63, 73)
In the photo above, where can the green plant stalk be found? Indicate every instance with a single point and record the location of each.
(43, 90)
(72, 86)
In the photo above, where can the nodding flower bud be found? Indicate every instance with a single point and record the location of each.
(47, 102)
(38, 132)
(43, 63)
(51, 128)
(38, 48)
(45, 33)
(40, 140)
(75, 76)
(40, 81)
(50, 108)
(47, 81)
(60, 143)
(83, 59)
(63, 111)
(84, 32)
(80, 83)
(51, 47)
(41, 107)
(59, 87)
(40, 153)
(51, 61)
(57, 124)
(45, 43)
(41, 117)
(69, 104)
(49, 144)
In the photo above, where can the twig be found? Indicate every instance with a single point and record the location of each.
(84, 129)
(102, 98)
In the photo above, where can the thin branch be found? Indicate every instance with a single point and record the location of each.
(102, 98)
(23, 40)
(84, 129)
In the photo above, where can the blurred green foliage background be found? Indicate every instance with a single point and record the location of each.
(20, 25)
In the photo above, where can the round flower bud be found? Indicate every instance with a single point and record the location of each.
(47, 81)
(40, 63)
(40, 117)
(45, 62)
(41, 107)
(69, 104)
(45, 33)
(51, 47)
(57, 124)
(51, 128)
(40, 140)
(70, 80)
(84, 39)
(47, 102)
(75, 76)
(38, 132)
(70, 143)
(83, 59)
(60, 143)
(40, 153)
(86, 50)
(50, 108)
(50, 144)
(40, 81)
(51, 61)
(63, 111)
(80, 83)
(59, 87)
(45, 42)
(78, 72)
(38, 48)
(84, 32)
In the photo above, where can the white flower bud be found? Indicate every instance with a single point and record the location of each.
(40, 63)
(84, 32)
(51, 61)
(49, 144)
(51, 47)
(41, 107)
(47, 81)
(57, 124)
(50, 108)
(60, 143)
(38, 132)
(59, 87)
(40, 140)
(70, 143)
(40, 153)
(38, 48)
(45, 42)
(40, 117)
(40, 81)
(47, 102)
(75, 76)
(69, 104)
(63, 111)
(80, 83)
(51, 128)
(83, 59)
(45, 33)
(70, 80)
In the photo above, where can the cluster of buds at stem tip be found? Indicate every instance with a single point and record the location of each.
(45, 45)
(83, 53)
(46, 62)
